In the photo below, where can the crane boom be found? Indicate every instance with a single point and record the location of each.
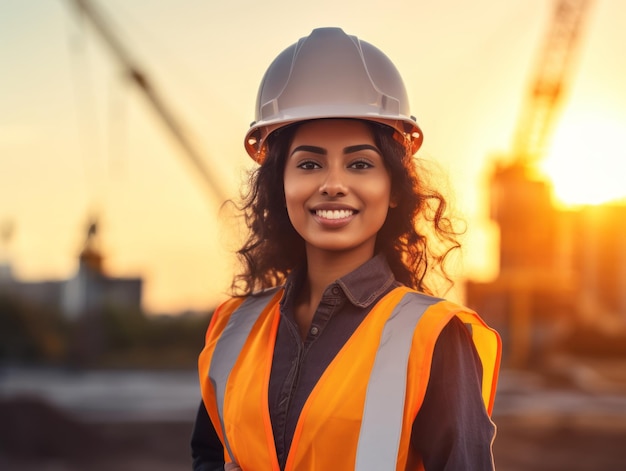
(140, 79)
(540, 109)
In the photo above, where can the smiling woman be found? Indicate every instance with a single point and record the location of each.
(334, 352)
(587, 162)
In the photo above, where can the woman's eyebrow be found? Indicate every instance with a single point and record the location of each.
(360, 147)
(312, 149)
(346, 150)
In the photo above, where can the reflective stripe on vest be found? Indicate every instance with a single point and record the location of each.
(381, 425)
(229, 346)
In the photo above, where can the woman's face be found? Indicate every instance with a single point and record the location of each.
(337, 188)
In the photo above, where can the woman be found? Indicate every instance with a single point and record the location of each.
(332, 354)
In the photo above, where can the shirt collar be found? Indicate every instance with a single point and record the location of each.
(361, 287)
(364, 285)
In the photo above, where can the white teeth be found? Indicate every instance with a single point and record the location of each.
(334, 214)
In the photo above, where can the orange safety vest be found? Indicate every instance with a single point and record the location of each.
(360, 413)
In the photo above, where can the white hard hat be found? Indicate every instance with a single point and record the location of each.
(330, 74)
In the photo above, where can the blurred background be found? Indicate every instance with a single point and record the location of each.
(121, 135)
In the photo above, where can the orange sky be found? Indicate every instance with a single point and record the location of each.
(74, 136)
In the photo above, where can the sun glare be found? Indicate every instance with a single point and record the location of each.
(587, 161)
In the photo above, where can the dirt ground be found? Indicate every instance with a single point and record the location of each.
(574, 420)
(521, 445)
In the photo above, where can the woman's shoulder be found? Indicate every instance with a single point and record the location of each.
(256, 298)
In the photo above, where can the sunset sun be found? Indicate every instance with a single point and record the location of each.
(587, 161)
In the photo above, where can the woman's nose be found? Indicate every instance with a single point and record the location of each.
(333, 184)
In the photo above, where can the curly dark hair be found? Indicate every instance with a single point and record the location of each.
(416, 237)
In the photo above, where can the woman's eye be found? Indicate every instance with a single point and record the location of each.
(360, 165)
(308, 165)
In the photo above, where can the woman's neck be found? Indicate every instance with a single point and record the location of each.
(323, 268)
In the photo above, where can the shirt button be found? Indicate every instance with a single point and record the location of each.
(314, 330)
(335, 290)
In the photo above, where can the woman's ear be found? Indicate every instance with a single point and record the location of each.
(393, 203)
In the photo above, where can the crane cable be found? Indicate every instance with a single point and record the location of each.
(140, 79)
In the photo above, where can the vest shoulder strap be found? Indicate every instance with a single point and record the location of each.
(383, 414)
(230, 345)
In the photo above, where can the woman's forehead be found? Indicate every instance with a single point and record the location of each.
(332, 131)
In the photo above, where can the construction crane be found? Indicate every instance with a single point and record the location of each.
(531, 279)
(521, 202)
(143, 84)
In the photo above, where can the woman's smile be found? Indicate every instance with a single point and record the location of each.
(333, 214)
(333, 217)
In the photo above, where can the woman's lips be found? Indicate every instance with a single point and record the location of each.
(334, 217)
